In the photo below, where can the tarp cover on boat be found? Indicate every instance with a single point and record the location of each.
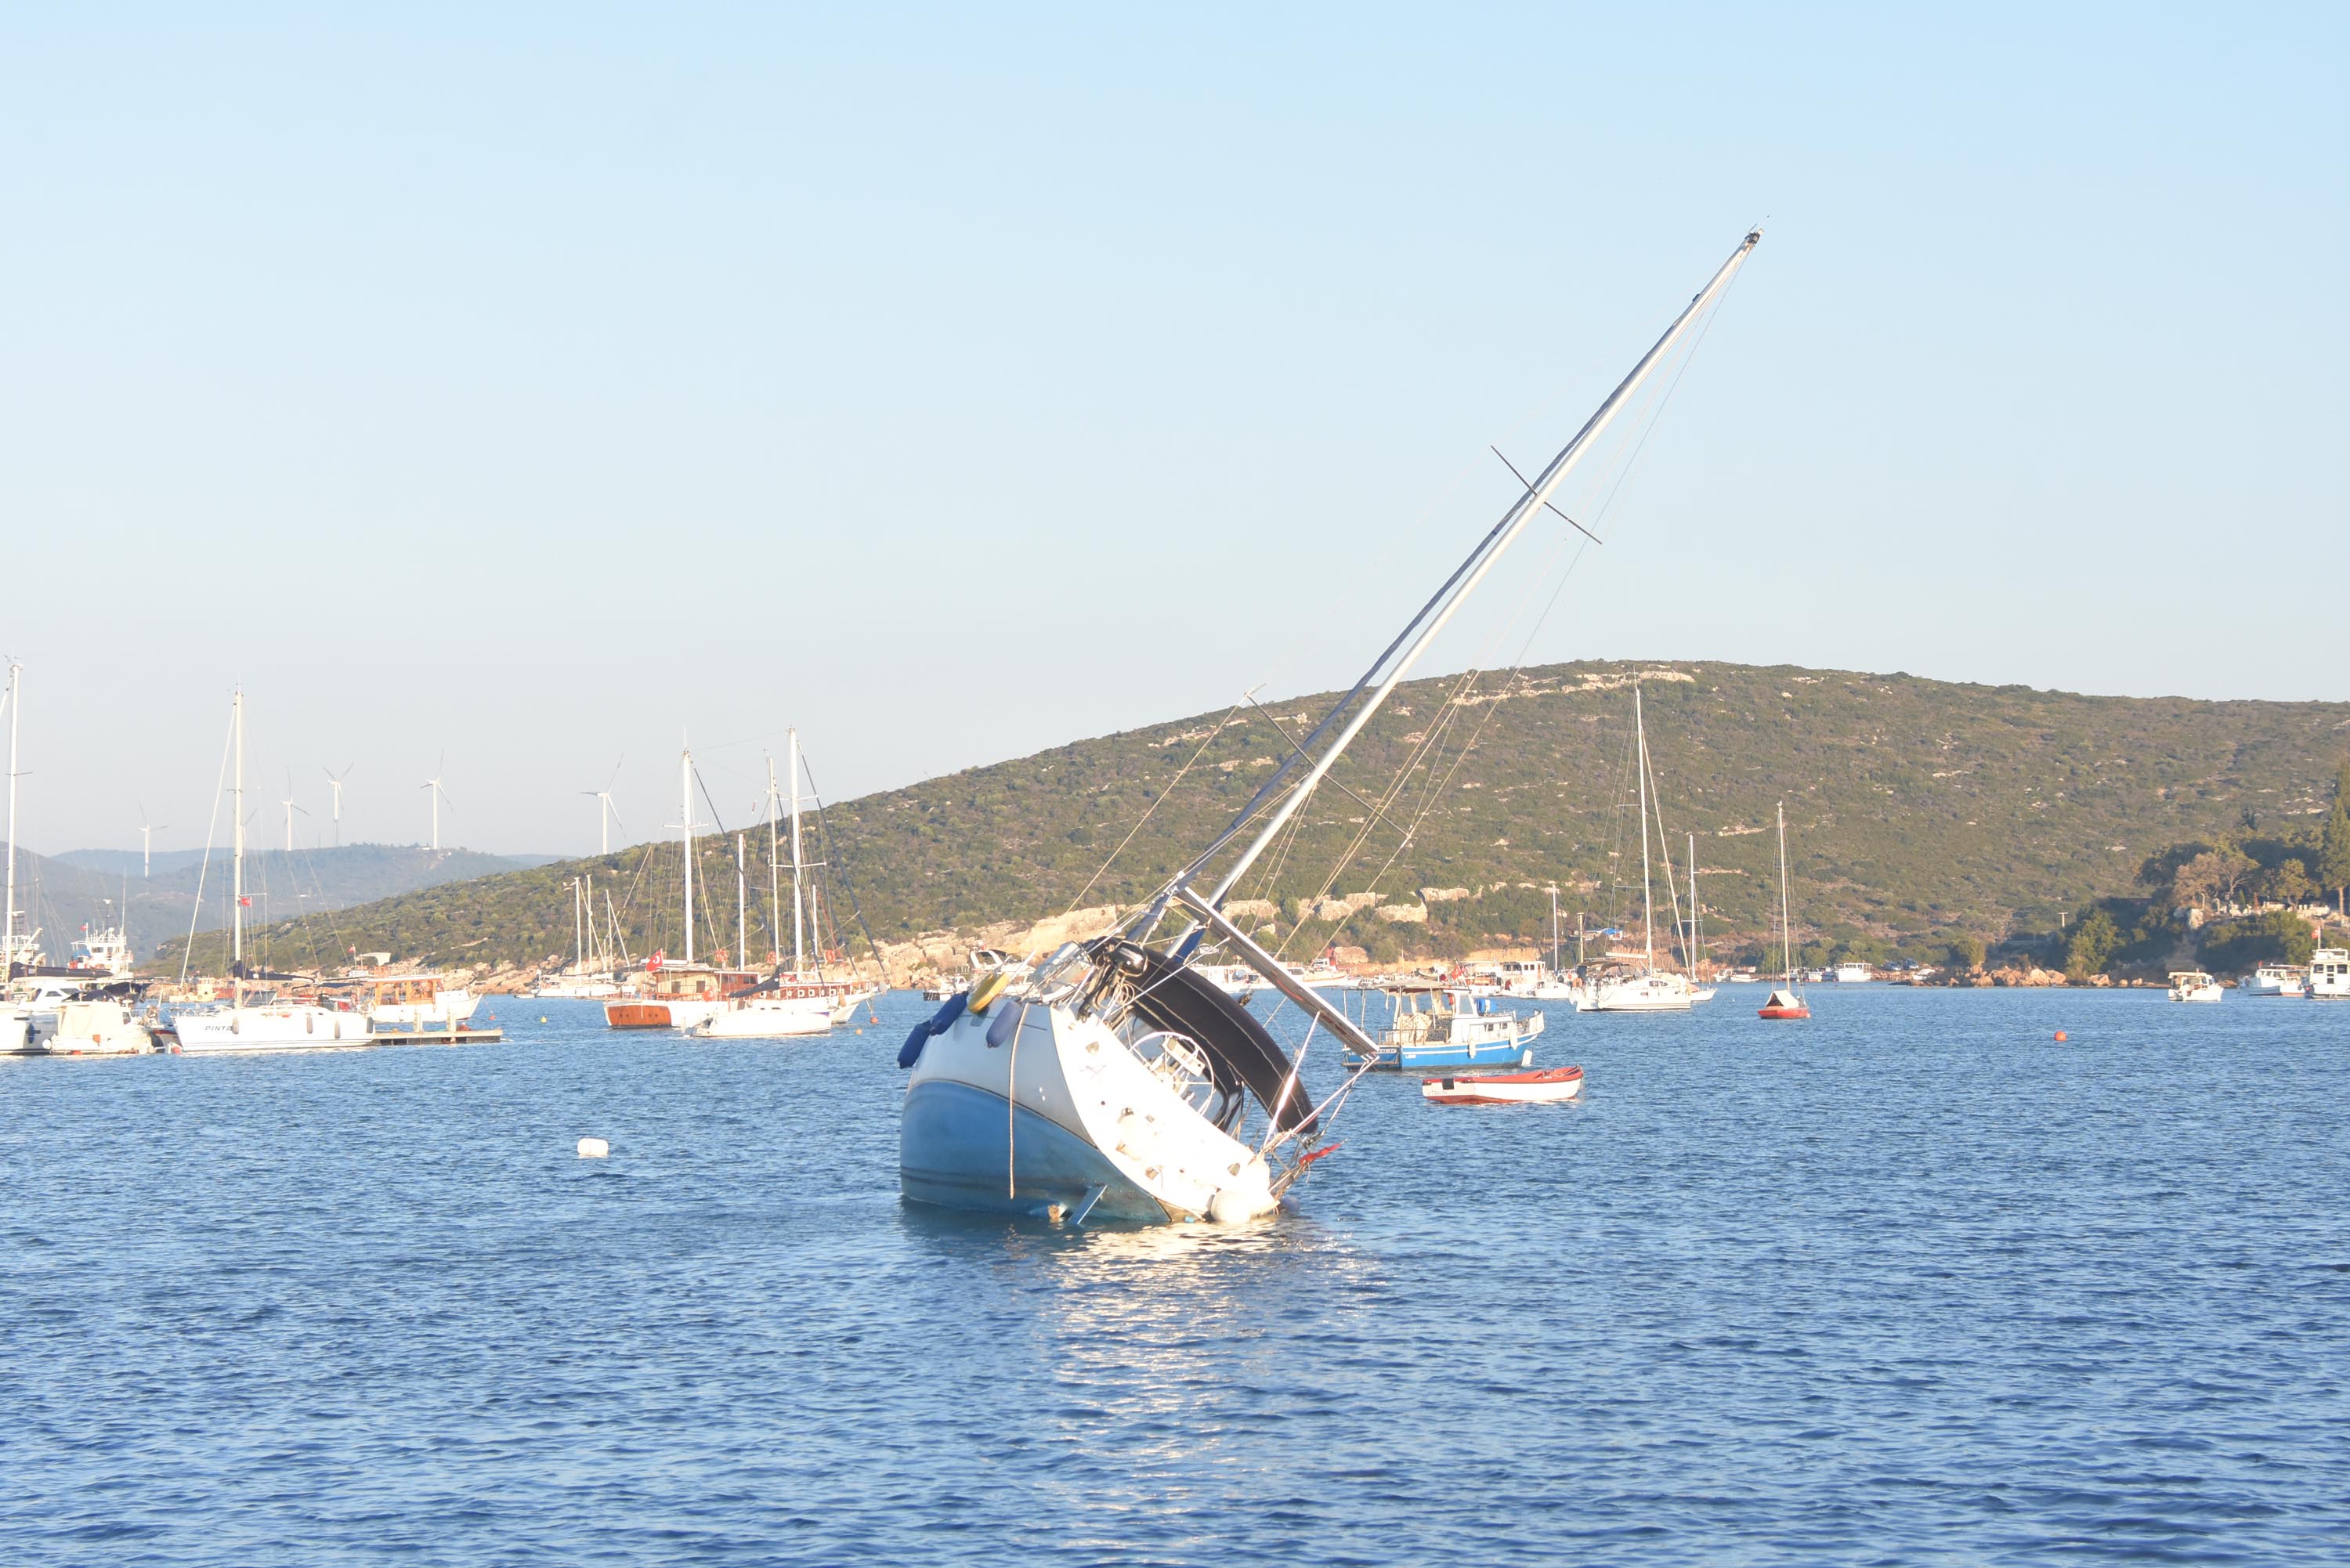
(1170, 995)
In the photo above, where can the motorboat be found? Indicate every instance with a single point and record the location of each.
(96, 1026)
(1121, 1080)
(2275, 980)
(1546, 1085)
(1452, 1028)
(426, 1000)
(2194, 985)
(1853, 974)
(2329, 974)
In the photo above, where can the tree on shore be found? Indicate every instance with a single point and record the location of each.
(2333, 847)
(1967, 950)
(2093, 944)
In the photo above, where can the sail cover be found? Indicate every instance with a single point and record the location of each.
(1171, 995)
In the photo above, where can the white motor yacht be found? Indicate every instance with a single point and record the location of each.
(2276, 980)
(2329, 974)
(2194, 985)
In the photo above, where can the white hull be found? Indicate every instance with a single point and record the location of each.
(92, 1029)
(447, 1010)
(2269, 984)
(1654, 992)
(287, 1028)
(1062, 1119)
(768, 1018)
(577, 990)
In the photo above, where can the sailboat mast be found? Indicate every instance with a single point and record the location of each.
(1648, 916)
(237, 860)
(15, 692)
(742, 907)
(1554, 928)
(685, 824)
(774, 869)
(799, 905)
(1439, 612)
(1786, 934)
(1697, 951)
(578, 931)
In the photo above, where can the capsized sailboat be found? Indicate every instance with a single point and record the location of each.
(1117, 1080)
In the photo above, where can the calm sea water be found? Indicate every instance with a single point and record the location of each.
(1913, 1284)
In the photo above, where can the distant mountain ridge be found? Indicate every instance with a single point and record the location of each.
(1917, 810)
(61, 893)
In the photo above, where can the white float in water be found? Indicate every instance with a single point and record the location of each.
(594, 1148)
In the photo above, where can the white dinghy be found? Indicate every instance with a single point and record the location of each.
(1122, 1080)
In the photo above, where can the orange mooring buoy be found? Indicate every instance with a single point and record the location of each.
(2060, 1036)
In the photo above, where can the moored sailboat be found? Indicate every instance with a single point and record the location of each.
(275, 1026)
(1786, 999)
(1643, 987)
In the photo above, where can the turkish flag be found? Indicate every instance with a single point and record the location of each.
(654, 962)
(246, 902)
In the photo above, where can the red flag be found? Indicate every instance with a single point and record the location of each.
(246, 902)
(655, 962)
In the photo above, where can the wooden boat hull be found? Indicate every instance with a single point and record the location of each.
(1547, 1086)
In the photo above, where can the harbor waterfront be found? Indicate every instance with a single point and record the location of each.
(1912, 1281)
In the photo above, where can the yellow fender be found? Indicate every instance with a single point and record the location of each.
(987, 989)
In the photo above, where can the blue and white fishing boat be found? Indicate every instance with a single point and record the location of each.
(1453, 1028)
(1117, 1080)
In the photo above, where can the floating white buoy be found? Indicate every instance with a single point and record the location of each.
(594, 1148)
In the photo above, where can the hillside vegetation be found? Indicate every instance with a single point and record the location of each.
(1917, 811)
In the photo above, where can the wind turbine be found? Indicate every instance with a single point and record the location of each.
(605, 814)
(290, 809)
(439, 795)
(335, 781)
(147, 831)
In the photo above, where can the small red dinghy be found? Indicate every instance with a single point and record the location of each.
(1542, 1087)
(1784, 1003)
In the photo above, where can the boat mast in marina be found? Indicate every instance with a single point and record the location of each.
(685, 826)
(236, 858)
(8, 947)
(799, 954)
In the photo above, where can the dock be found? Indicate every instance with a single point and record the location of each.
(386, 1036)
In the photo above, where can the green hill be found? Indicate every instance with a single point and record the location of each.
(1917, 810)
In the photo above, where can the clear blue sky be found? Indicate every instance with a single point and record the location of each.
(535, 383)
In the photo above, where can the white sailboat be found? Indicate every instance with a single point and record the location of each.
(1786, 999)
(1119, 1081)
(795, 1002)
(278, 1026)
(1641, 988)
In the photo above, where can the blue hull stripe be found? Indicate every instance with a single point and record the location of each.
(1413, 1057)
(951, 1153)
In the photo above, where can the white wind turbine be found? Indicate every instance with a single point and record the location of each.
(335, 781)
(440, 798)
(290, 809)
(604, 814)
(147, 831)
